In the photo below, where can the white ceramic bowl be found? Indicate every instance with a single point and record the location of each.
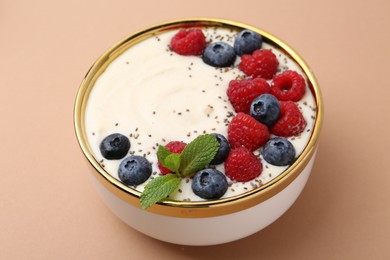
(208, 222)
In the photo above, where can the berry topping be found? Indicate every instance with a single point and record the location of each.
(279, 151)
(262, 63)
(265, 109)
(242, 165)
(223, 150)
(134, 170)
(114, 146)
(291, 121)
(188, 42)
(174, 147)
(219, 54)
(242, 92)
(245, 131)
(247, 42)
(288, 85)
(209, 184)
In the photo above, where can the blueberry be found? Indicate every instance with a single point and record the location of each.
(223, 150)
(115, 146)
(279, 151)
(134, 170)
(247, 42)
(209, 184)
(265, 109)
(219, 54)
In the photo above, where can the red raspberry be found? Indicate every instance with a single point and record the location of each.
(245, 131)
(174, 147)
(290, 122)
(242, 165)
(288, 85)
(188, 42)
(262, 63)
(242, 92)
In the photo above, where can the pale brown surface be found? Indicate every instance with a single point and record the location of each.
(49, 208)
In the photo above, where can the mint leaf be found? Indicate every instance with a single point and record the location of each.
(172, 162)
(198, 154)
(158, 189)
(162, 153)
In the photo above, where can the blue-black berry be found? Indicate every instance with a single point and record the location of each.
(279, 151)
(265, 109)
(114, 146)
(219, 54)
(209, 184)
(247, 42)
(223, 150)
(134, 170)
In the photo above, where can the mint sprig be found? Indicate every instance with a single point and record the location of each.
(195, 156)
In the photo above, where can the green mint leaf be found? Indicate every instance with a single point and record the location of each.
(198, 154)
(172, 162)
(162, 153)
(158, 189)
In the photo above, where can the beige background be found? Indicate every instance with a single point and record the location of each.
(48, 206)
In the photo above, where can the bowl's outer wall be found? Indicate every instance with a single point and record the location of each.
(219, 229)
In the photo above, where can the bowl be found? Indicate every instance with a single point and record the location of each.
(199, 223)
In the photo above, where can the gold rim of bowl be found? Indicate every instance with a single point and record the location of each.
(198, 209)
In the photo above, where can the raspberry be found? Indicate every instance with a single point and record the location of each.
(245, 131)
(262, 63)
(241, 93)
(242, 165)
(174, 147)
(291, 121)
(288, 85)
(188, 42)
